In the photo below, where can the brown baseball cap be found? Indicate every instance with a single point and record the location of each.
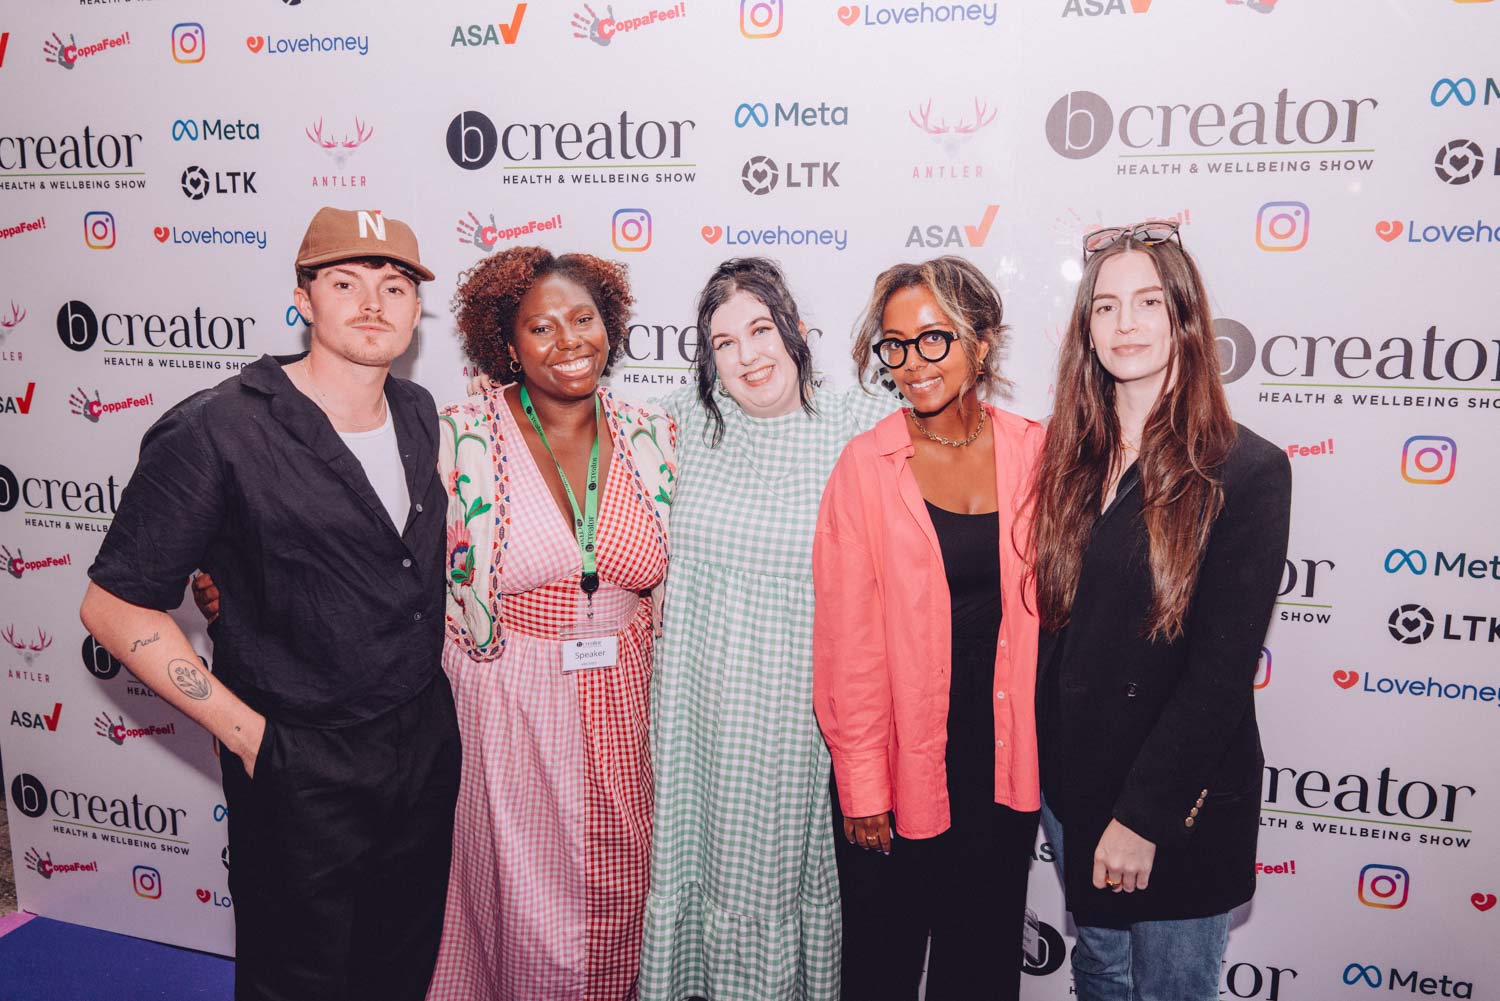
(342, 234)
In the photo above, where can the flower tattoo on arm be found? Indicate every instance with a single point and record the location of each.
(190, 681)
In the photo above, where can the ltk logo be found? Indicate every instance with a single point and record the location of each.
(761, 175)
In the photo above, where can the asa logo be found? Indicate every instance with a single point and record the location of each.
(37, 719)
(18, 403)
(499, 33)
(955, 234)
(796, 114)
(1099, 8)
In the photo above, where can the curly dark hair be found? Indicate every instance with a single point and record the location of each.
(491, 291)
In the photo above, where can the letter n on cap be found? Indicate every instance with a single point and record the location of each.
(371, 221)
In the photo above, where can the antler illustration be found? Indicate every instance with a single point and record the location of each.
(17, 314)
(10, 637)
(43, 641)
(361, 135)
(315, 133)
(980, 121)
(925, 122)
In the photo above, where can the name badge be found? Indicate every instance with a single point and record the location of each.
(590, 653)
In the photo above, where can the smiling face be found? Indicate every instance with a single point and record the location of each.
(930, 387)
(559, 339)
(752, 359)
(362, 314)
(1129, 325)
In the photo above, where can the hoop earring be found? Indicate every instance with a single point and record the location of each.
(515, 367)
(719, 387)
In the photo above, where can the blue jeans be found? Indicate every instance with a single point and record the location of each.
(1150, 960)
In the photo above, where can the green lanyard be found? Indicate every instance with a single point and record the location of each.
(585, 522)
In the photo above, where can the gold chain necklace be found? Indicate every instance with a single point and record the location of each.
(307, 371)
(950, 442)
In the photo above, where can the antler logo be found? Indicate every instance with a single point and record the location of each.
(952, 137)
(29, 650)
(340, 149)
(12, 320)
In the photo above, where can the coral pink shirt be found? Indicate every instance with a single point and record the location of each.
(882, 631)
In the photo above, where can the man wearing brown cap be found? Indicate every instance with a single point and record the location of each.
(307, 485)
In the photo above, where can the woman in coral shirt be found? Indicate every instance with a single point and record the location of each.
(924, 651)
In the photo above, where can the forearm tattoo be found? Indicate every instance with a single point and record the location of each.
(190, 681)
(145, 642)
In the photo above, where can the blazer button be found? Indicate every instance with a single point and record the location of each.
(1130, 690)
(1193, 812)
(1188, 822)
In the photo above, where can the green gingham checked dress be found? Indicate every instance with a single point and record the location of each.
(744, 899)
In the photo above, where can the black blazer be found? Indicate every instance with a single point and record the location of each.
(1162, 736)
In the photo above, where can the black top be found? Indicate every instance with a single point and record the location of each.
(1162, 736)
(328, 616)
(970, 544)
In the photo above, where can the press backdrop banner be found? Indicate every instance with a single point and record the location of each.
(1333, 166)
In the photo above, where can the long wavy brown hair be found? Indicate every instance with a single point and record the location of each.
(1187, 437)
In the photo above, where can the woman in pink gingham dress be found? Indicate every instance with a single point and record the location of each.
(553, 826)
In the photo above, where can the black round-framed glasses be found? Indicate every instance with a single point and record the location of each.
(931, 345)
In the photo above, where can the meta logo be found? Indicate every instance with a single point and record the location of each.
(1429, 458)
(202, 130)
(1462, 91)
(1415, 561)
(1385, 886)
(761, 18)
(630, 230)
(1411, 624)
(473, 140)
(1459, 161)
(80, 327)
(761, 175)
(1324, 357)
(1282, 226)
(32, 798)
(1372, 976)
(188, 42)
(796, 114)
(1098, 8)
(955, 235)
(500, 33)
(1081, 124)
(198, 183)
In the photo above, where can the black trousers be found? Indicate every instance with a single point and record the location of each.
(339, 851)
(966, 888)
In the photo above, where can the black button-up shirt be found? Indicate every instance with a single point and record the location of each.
(329, 616)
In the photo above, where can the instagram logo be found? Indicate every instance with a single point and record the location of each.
(147, 882)
(1263, 669)
(760, 18)
(1384, 886)
(1281, 226)
(99, 230)
(1428, 458)
(187, 42)
(631, 229)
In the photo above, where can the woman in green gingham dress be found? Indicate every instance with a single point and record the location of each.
(744, 900)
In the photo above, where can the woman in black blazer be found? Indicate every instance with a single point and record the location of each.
(1160, 535)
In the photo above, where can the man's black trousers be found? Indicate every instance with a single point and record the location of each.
(339, 850)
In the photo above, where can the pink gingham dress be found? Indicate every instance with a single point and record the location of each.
(553, 827)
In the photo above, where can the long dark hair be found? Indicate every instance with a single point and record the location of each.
(762, 278)
(1187, 437)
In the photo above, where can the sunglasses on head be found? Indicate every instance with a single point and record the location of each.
(1147, 234)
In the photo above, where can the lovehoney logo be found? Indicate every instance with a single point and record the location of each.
(198, 183)
(117, 815)
(1100, 8)
(498, 33)
(80, 328)
(216, 130)
(797, 114)
(484, 236)
(1081, 124)
(1414, 981)
(1412, 623)
(1462, 91)
(43, 866)
(1472, 364)
(1459, 161)
(1415, 810)
(955, 234)
(1478, 231)
(37, 719)
(211, 236)
(273, 45)
(545, 152)
(1428, 688)
(18, 403)
(90, 154)
(213, 897)
(66, 55)
(968, 14)
(601, 29)
(1298, 597)
(762, 175)
(58, 503)
(950, 128)
(1460, 564)
(775, 236)
(15, 563)
(114, 730)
